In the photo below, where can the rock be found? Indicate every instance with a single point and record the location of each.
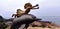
(1, 19)
(43, 24)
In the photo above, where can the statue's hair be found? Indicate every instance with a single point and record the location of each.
(27, 4)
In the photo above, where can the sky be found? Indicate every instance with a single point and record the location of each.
(46, 7)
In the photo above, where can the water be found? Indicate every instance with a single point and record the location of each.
(54, 19)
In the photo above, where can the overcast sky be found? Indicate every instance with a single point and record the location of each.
(47, 7)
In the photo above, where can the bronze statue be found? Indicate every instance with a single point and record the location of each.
(28, 7)
(24, 19)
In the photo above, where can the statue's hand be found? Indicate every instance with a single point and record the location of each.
(37, 5)
(13, 15)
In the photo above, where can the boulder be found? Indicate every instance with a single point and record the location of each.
(43, 24)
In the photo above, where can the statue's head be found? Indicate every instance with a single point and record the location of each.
(27, 5)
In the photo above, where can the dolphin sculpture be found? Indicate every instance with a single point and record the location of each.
(23, 21)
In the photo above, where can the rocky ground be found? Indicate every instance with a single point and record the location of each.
(43, 28)
(39, 28)
(42, 25)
